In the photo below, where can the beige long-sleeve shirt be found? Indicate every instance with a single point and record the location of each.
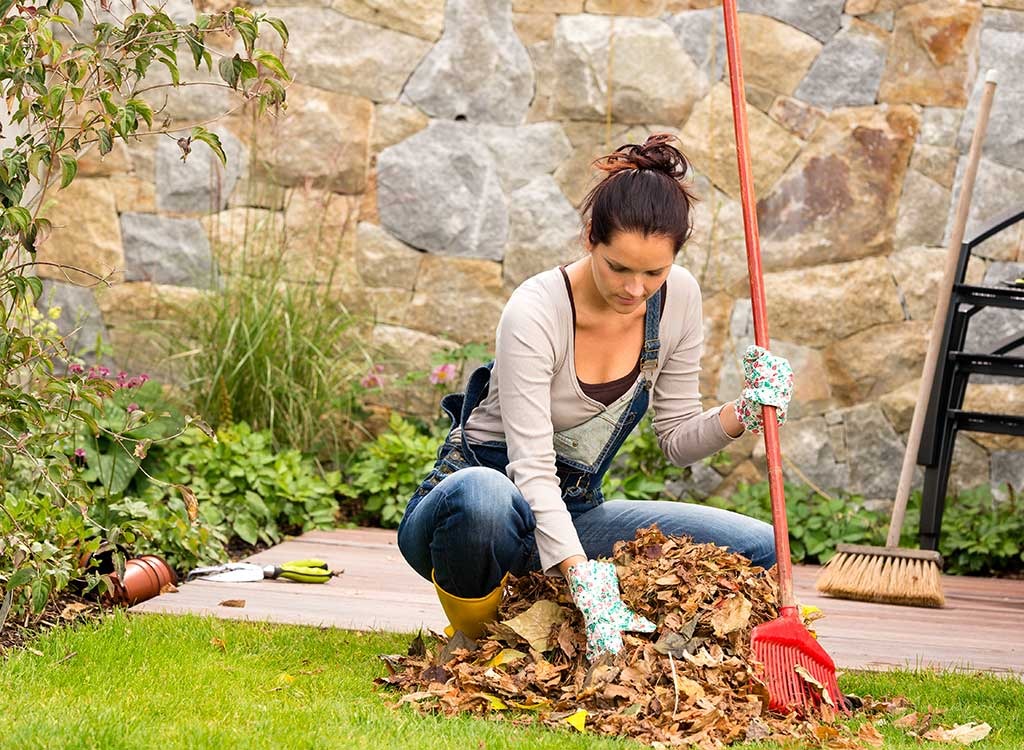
(535, 403)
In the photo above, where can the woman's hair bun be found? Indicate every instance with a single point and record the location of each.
(656, 153)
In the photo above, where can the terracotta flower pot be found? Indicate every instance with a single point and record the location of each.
(143, 578)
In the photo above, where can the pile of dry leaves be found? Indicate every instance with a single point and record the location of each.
(691, 682)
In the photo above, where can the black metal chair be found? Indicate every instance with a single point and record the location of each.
(945, 416)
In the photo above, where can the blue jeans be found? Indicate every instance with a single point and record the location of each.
(475, 526)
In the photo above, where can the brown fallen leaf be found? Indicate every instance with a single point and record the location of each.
(910, 721)
(232, 603)
(870, 734)
(168, 588)
(71, 611)
(535, 624)
(219, 643)
(710, 696)
(732, 615)
(964, 734)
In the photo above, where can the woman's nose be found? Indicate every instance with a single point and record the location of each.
(635, 287)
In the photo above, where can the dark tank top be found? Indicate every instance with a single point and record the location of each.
(610, 392)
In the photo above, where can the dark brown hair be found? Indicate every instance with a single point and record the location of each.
(643, 192)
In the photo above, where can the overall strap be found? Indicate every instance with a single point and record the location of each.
(476, 391)
(652, 344)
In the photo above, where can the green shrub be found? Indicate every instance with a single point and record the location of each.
(127, 431)
(980, 535)
(43, 546)
(816, 523)
(59, 110)
(382, 475)
(250, 490)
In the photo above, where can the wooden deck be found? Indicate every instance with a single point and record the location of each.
(980, 629)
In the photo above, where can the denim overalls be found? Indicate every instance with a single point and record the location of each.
(477, 526)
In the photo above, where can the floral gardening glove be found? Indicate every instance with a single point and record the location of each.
(767, 380)
(595, 589)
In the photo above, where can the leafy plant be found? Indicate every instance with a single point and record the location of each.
(640, 470)
(116, 439)
(980, 535)
(248, 489)
(65, 99)
(816, 523)
(382, 475)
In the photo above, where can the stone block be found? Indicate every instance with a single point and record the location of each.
(323, 140)
(838, 200)
(819, 18)
(525, 152)
(86, 235)
(922, 199)
(775, 55)
(849, 69)
(421, 18)
(814, 306)
(876, 361)
(345, 55)
(709, 141)
(918, 271)
(166, 251)
(80, 322)
(933, 54)
(544, 231)
(479, 70)
(200, 184)
(700, 32)
(459, 298)
(440, 191)
(384, 261)
(640, 92)
(393, 123)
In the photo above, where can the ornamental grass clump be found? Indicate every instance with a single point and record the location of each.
(694, 681)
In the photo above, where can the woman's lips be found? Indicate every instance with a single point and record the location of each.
(627, 300)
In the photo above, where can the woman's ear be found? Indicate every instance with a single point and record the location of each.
(585, 239)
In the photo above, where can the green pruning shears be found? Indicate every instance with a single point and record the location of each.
(303, 571)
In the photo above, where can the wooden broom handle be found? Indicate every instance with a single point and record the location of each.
(943, 295)
(773, 453)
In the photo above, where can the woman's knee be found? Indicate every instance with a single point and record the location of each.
(480, 497)
(761, 545)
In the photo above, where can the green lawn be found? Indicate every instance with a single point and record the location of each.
(187, 682)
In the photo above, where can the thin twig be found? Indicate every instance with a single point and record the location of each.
(675, 683)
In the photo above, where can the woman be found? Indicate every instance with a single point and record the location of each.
(581, 351)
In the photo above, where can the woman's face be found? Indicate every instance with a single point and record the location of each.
(630, 268)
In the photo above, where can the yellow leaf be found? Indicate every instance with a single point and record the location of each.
(505, 656)
(578, 720)
(285, 678)
(495, 703)
(532, 706)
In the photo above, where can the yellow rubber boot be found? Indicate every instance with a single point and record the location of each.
(469, 615)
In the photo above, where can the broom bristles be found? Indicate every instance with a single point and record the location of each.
(882, 577)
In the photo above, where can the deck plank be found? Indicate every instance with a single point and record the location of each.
(978, 630)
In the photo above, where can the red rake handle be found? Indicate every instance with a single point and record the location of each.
(771, 426)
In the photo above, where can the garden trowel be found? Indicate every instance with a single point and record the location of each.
(303, 571)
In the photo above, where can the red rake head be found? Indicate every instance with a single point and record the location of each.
(799, 673)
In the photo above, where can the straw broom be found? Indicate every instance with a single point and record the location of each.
(891, 574)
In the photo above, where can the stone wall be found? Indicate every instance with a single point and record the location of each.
(442, 148)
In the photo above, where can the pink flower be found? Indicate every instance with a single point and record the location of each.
(372, 379)
(79, 452)
(445, 373)
(132, 407)
(76, 369)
